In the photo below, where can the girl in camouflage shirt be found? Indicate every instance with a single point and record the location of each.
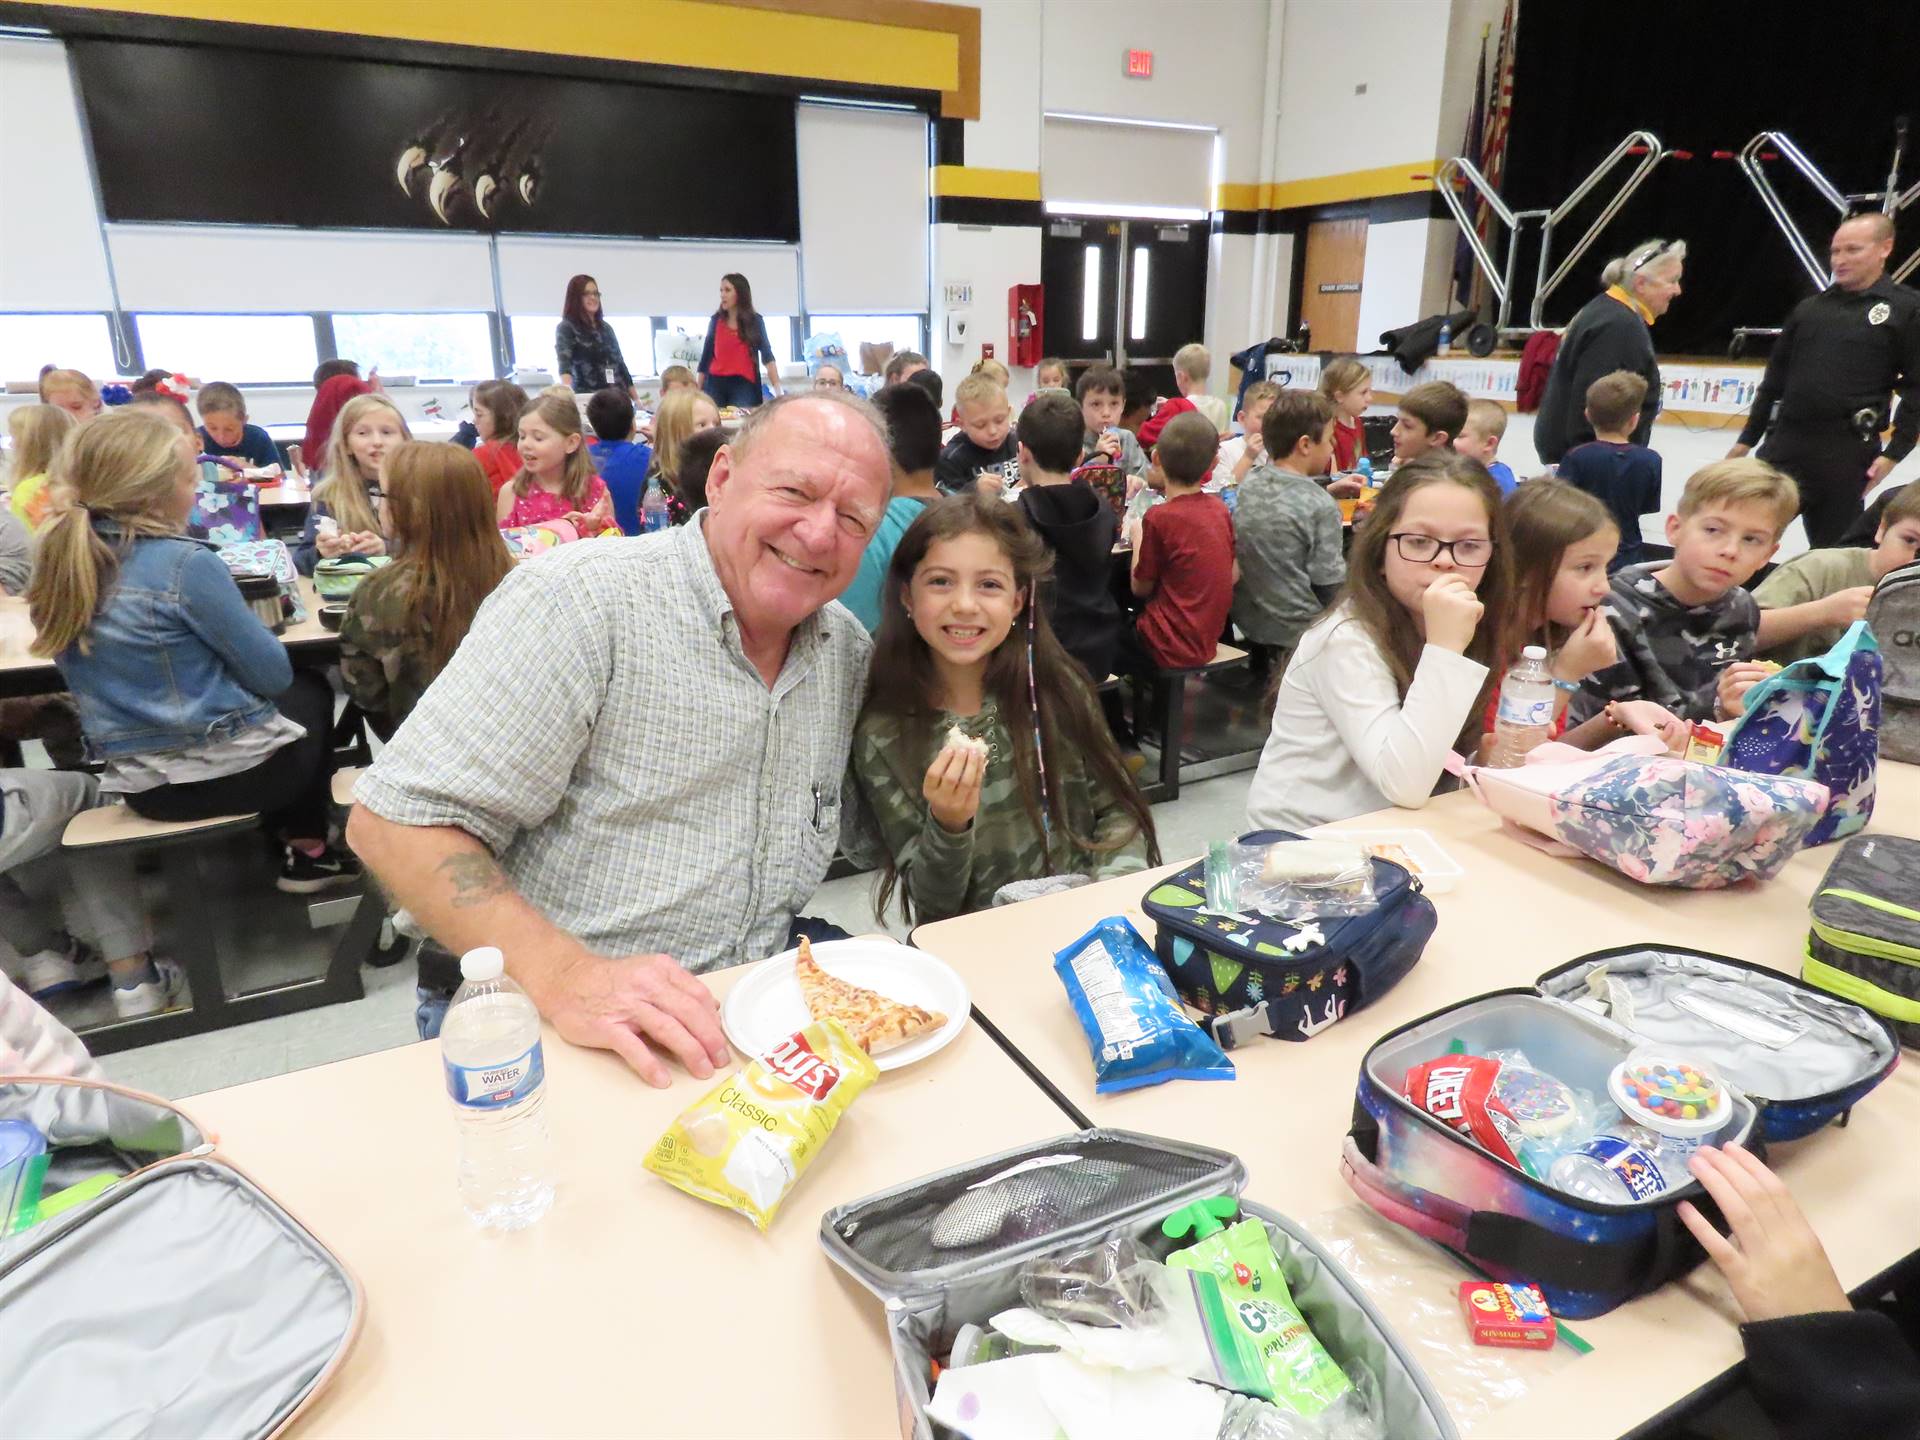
(945, 752)
(405, 620)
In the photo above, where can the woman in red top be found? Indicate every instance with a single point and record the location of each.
(1348, 386)
(736, 345)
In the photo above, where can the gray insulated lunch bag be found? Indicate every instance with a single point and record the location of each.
(1894, 617)
(1062, 1195)
(180, 1300)
(1864, 941)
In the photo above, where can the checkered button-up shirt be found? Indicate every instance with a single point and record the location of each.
(603, 733)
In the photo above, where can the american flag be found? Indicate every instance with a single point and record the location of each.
(1493, 147)
(1466, 285)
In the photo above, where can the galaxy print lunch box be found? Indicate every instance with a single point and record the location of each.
(1793, 1059)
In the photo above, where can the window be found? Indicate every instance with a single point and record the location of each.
(901, 331)
(73, 342)
(779, 331)
(1142, 259)
(533, 341)
(428, 347)
(244, 349)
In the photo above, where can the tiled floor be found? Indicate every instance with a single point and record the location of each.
(1206, 810)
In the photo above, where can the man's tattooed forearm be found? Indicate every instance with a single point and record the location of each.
(476, 879)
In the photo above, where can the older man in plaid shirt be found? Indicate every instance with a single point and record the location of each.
(631, 770)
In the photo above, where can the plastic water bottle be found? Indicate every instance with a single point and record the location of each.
(1525, 715)
(1624, 1165)
(653, 507)
(497, 1079)
(1446, 339)
(1365, 467)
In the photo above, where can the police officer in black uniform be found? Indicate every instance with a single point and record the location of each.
(1823, 402)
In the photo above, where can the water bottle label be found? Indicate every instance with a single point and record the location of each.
(489, 1087)
(1631, 1165)
(1514, 711)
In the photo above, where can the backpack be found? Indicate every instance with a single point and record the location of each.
(1818, 719)
(1894, 616)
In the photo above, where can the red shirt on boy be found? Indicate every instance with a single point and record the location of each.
(1186, 551)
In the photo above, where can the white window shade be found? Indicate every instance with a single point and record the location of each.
(50, 254)
(233, 270)
(638, 278)
(1125, 167)
(863, 209)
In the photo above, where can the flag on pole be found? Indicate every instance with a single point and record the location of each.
(1463, 267)
(1493, 150)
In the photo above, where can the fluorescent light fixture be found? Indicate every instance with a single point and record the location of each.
(1090, 296)
(1137, 326)
(1123, 120)
(1123, 212)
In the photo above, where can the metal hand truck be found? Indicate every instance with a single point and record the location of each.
(1459, 172)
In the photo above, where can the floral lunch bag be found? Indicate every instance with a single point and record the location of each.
(1654, 817)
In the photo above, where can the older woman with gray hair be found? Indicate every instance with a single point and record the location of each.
(1611, 332)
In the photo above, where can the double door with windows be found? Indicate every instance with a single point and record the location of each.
(1124, 291)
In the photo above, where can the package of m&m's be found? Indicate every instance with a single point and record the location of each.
(1512, 1316)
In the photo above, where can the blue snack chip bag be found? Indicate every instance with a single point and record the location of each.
(1130, 1014)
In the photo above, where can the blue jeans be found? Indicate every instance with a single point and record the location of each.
(738, 390)
(432, 1007)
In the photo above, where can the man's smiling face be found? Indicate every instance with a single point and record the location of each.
(789, 518)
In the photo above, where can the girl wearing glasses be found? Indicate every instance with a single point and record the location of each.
(1398, 672)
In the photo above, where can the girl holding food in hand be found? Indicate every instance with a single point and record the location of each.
(982, 751)
(1398, 673)
(1562, 540)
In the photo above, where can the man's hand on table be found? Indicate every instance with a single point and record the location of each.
(636, 1006)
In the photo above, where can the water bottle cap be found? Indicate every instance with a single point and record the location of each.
(1535, 652)
(486, 963)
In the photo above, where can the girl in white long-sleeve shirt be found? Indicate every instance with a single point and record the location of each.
(1397, 673)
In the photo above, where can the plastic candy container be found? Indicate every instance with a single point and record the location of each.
(1670, 1096)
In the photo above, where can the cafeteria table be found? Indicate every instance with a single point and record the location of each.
(1515, 914)
(309, 644)
(631, 1308)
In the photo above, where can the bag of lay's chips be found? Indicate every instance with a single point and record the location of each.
(745, 1143)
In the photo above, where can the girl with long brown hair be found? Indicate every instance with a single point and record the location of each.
(736, 347)
(1562, 541)
(191, 703)
(405, 621)
(1398, 672)
(556, 479)
(982, 751)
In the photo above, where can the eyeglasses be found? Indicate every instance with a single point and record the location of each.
(1472, 552)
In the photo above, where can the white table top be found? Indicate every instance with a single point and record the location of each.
(631, 1308)
(1515, 914)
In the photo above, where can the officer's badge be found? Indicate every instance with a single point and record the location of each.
(1879, 313)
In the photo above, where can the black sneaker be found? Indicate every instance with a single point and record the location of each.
(302, 874)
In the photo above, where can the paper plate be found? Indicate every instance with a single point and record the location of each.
(766, 1006)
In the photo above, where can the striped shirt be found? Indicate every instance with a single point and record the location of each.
(603, 733)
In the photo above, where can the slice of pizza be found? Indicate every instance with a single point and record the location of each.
(876, 1021)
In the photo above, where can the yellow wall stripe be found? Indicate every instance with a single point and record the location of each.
(978, 184)
(1326, 189)
(893, 44)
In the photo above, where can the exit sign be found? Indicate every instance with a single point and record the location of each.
(1140, 64)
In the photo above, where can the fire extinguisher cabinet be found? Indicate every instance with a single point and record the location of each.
(1026, 325)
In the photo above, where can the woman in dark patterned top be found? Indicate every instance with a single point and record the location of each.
(584, 343)
(405, 621)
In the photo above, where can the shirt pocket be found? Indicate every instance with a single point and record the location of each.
(817, 838)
